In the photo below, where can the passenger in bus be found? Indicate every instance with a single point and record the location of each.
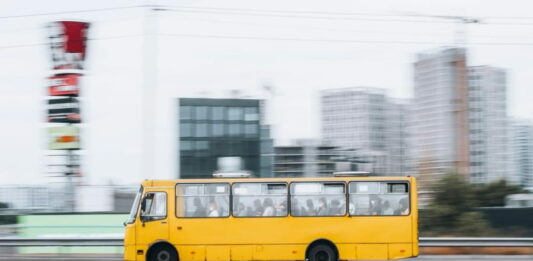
(269, 208)
(258, 211)
(311, 211)
(387, 210)
(199, 210)
(240, 211)
(335, 209)
(375, 205)
(296, 210)
(351, 208)
(322, 209)
(249, 211)
(403, 207)
(281, 209)
(213, 211)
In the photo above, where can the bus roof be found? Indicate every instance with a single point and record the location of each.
(172, 182)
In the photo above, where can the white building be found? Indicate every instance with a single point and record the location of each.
(364, 120)
(487, 124)
(521, 148)
(399, 137)
(440, 114)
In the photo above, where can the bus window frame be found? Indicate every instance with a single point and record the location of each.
(324, 182)
(158, 217)
(260, 182)
(197, 183)
(380, 181)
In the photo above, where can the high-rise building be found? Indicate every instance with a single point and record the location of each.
(440, 114)
(521, 152)
(267, 152)
(306, 158)
(367, 122)
(487, 113)
(398, 137)
(211, 129)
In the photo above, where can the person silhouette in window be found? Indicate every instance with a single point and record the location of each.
(322, 209)
(268, 207)
(311, 211)
(258, 211)
(213, 209)
(403, 207)
(199, 210)
(335, 209)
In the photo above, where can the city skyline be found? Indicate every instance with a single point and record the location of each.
(296, 69)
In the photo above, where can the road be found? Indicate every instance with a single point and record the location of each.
(420, 258)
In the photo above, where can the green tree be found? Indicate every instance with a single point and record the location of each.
(451, 210)
(493, 194)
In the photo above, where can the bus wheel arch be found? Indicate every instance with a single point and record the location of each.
(321, 244)
(158, 251)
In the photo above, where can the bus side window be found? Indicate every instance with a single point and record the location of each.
(378, 198)
(154, 206)
(318, 199)
(202, 200)
(259, 199)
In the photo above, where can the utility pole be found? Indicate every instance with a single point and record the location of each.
(149, 91)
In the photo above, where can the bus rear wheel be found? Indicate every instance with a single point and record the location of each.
(322, 253)
(163, 253)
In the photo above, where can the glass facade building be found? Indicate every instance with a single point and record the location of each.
(213, 128)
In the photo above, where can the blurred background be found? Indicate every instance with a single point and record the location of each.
(439, 90)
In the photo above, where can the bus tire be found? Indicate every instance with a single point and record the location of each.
(162, 252)
(322, 252)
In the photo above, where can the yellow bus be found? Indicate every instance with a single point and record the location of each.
(314, 219)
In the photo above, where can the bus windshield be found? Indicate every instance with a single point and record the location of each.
(135, 207)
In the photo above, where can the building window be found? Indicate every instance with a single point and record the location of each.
(201, 130)
(186, 145)
(218, 113)
(235, 114)
(250, 130)
(218, 130)
(186, 130)
(251, 114)
(235, 129)
(202, 112)
(185, 112)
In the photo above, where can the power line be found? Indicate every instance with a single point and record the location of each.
(329, 15)
(73, 11)
(333, 40)
(298, 16)
(336, 29)
(285, 11)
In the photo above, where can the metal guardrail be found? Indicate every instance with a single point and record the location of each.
(118, 241)
(476, 242)
(63, 241)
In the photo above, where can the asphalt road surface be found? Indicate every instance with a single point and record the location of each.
(420, 258)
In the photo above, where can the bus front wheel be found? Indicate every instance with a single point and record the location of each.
(322, 253)
(163, 253)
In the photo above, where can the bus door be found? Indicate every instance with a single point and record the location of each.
(153, 225)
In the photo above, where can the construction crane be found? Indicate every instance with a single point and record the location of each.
(461, 23)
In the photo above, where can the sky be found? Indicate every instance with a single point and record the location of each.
(209, 48)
